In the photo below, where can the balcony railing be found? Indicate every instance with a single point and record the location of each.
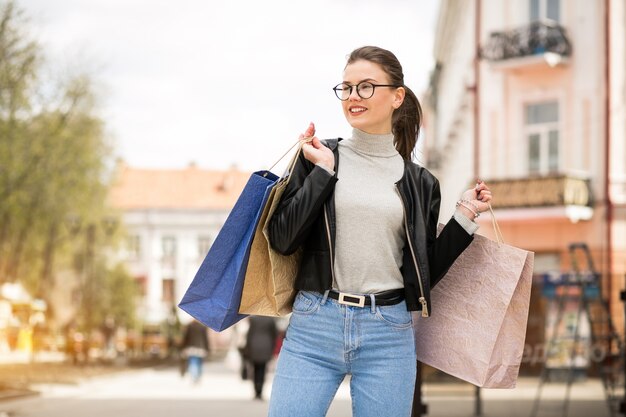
(535, 39)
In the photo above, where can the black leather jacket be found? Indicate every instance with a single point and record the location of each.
(305, 217)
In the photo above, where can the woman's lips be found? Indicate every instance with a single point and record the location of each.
(357, 110)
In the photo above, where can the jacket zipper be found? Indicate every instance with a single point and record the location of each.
(330, 245)
(422, 299)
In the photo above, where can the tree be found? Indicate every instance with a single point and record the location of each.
(53, 162)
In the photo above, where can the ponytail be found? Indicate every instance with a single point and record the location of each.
(406, 122)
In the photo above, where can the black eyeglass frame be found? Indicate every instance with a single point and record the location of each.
(338, 90)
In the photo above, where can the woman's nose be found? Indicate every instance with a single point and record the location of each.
(354, 95)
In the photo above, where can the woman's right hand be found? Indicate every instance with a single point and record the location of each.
(315, 152)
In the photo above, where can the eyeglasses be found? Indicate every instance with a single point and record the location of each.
(364, 89)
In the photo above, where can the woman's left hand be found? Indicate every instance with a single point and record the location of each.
(480, 196)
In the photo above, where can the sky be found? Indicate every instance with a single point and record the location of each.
(223, 83)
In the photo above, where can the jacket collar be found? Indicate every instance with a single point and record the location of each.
(332, 143)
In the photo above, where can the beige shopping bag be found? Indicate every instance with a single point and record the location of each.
(478, 328)
(268, 285)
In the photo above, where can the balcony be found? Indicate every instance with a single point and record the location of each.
(537, 44)
(560, 196)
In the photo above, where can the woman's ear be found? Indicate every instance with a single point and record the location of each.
(398, 97)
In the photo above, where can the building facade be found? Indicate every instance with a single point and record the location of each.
(171, 218)
(530, 96)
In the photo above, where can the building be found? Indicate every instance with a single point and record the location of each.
(530, 96)
(171, 219)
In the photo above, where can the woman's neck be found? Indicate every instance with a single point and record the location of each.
(373, 144)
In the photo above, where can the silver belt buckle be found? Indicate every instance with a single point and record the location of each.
(359, 300)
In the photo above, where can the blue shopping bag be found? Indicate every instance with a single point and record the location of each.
(214, 295)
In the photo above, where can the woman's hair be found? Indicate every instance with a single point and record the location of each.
(406, 119)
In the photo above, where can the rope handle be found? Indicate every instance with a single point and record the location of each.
(300, 142)
(496, 228)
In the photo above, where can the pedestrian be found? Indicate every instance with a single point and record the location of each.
(195, 347)
(240, 337)
(259, 350)
(366, 218)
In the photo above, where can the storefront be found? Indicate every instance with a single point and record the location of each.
(547, 215)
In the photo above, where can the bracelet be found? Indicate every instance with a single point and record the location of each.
(461, 203)
(473, 205)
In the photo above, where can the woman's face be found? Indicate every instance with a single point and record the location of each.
(372, 115)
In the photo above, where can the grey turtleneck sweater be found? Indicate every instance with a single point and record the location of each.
(369, 215)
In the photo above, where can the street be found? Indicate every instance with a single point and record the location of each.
(161, 392)
(156, 392)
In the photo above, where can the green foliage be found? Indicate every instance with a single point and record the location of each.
(53, 168)
(19, 60)
(109, 294)
(121, 287)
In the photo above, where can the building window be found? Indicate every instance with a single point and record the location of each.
(204, 244)
(542, 134)
(133, 247)
(168, 290)
(545, 9)
(141, 283)
(168, 248)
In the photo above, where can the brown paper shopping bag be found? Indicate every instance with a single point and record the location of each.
(268, 285)
(478, 331)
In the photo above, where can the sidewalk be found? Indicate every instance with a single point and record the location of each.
(20, 377)
(451, 399)
(161, 392)
(458, 399)
(12, 375)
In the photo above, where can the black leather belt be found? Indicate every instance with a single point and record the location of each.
(385, 298)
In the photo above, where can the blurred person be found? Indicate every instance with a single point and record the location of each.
(72, 346)
(25, 339)
(108, 329)
(371, 253)
(260, 343)
(40, 332)
(241, 336)
(195, 347)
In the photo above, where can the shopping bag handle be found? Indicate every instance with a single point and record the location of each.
(496, 228)
(300, 142)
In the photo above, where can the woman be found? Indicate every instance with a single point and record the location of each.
(371, 254)
(196, 347)
(260, 343)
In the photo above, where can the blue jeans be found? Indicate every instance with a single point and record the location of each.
(326, 340)
(194, 367)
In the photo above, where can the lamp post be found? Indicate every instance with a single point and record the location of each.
(622, 405)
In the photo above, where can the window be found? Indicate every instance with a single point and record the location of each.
(545, 9)
(204, 244)
(168, 290)
(542, 135)
(133, 247)
(141, 283)
(168, 248)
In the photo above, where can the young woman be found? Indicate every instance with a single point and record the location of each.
(367, 228)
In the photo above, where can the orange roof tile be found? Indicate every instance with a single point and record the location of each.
(190, 188)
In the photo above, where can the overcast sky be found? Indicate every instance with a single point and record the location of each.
(225, 82)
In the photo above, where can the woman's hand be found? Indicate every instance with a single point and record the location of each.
(315, 152)
(477, 200)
